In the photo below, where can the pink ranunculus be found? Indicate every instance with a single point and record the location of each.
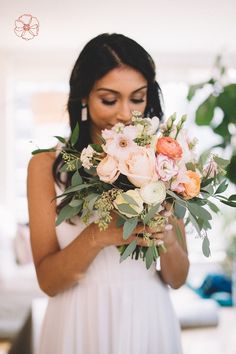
(107, 169)
(166, 168)
(139, 167)
(26, 27)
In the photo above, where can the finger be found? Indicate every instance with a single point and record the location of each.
(158, 235)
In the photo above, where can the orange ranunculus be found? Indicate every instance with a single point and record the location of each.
(192, 187)
(169, 147)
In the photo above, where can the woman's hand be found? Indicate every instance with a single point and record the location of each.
(113, 235)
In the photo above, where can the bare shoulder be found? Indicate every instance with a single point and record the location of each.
(40, 168)
(41, 160)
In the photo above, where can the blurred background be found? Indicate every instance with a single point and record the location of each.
(192, 43)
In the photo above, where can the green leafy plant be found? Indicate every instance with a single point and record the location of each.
(221, 97)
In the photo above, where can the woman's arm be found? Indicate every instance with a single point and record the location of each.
(59, 269)
(56, 269)
(174, 262)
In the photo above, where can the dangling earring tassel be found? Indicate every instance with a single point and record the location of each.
(84, 114)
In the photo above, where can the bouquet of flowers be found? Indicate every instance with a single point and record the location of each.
(136, 172)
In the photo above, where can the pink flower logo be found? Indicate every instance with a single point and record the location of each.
(26, 27)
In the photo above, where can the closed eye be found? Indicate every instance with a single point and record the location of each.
(133, 100)
(136, 101)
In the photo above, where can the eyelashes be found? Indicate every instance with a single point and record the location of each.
(111, 103)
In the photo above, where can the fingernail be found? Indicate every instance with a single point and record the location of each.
(167, 213)
(168, 227)
(159, 242)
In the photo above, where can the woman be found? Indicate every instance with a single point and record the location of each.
(97, 305)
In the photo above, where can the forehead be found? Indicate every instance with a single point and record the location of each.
(122, 79)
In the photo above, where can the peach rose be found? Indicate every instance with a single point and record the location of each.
(139, 167)
(169, 147)
(192, 187)
(107, 169)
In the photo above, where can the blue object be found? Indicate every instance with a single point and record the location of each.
(217, 287)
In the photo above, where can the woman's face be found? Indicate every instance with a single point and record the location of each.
(114, 97)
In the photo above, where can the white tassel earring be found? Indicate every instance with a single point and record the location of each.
(84, 114)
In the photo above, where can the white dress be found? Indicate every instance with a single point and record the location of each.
(116, 308)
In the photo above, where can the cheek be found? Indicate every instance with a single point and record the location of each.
(100, 114)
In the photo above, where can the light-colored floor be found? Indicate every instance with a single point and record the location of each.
(212, 340)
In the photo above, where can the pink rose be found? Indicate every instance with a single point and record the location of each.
(139, 167)
(107, 169)
(166, 168)
(177, 184)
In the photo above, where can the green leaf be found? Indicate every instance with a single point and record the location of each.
(92, 200)
(223, 130)
(194, 221)
(120, 221)
(203, 158)
(192, 90)
(129, 199)
(222, 187)
(206, 247)
(229, 203)
(60, 138)
(179, 210)
(149, 257)
(206, 182)
(129, 227)
(200, 201)
(231, 169)
(226, 101)
(205, 111)
(66, 213)
(76, 188)
(221, 162)
(190, 166)
(213, 207)
(175, 196)
(38, 151)
(126, 209)
(75, 135)
(232, 197)
(208, 189)
(97, 148)
(206, 225)
(76, 179)
(129, 249)
(63, 168)
(76, 203)
(179, 233)
(151, 213)
(199, 211)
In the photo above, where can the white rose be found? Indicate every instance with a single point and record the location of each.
(134, 194)
(153, 193)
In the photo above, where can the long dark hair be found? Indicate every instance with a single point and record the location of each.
(99, 56)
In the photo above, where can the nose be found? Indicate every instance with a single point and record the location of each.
(124, 113)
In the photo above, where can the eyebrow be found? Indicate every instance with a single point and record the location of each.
(113, 91)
